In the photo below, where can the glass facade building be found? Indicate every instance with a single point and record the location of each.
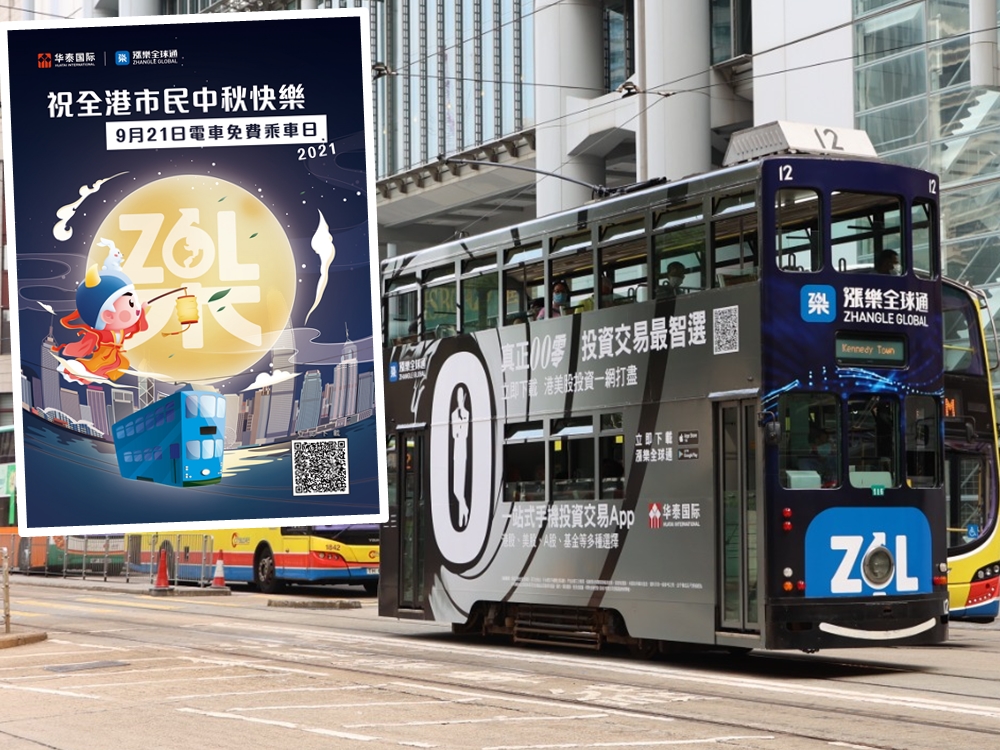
(458, 75)
(926, 99)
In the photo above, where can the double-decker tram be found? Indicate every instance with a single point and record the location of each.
(707, 412)
(970, 449)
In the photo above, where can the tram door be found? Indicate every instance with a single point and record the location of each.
(737, 483)
(412, 519)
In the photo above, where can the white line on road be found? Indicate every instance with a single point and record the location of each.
(640, 743)
(492, 720)
(367, 704)
(61, 693)
(528, 701)
(284, 724)
(272, 692)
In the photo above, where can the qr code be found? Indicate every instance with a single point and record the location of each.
(319, 467)
(726, 330)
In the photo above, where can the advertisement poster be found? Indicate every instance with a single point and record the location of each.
(192, 252)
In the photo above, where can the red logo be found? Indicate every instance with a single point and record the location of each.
(44, 59)
(655, 516)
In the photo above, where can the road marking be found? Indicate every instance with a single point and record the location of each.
(272, 692)
(492, 720)
(312, 706)
(70, 607)
(285, 724)
(98, 646)
(528, 701)
(19, 613)
(49, 691)
(117, 603)
(640, 743)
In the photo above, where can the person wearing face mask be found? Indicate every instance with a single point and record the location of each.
(560, 302)
(671, 287)
(887, 263)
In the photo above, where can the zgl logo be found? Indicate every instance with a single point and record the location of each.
(122, 57)
(868, 552)
(847, 581)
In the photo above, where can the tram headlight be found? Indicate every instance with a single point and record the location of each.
(878, 566)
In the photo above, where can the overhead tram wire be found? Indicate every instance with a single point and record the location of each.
(403, 69)
(555, 174)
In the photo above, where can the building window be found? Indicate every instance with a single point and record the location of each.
(731, 29)
(6, 408)
(619, 55)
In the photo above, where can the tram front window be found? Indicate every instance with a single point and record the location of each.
(873, 447)
(810, 454)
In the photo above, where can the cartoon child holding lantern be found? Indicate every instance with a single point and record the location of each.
(107, 314)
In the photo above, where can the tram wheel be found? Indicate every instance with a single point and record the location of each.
(643, 648)
(265, 576)
(371, 587)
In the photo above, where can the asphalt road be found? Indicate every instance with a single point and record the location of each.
(123, 669)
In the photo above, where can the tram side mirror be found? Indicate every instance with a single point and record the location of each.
(772, 432)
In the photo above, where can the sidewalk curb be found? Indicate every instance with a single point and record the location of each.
(185, 591)
(10, 640)
(315, 603)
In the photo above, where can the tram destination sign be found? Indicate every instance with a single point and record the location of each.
(191, 219)
(884, 350)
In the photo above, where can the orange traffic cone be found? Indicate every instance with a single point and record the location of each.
(162, 583)
(219, 580)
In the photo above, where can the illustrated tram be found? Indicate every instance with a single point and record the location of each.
(730, 434)
(176, 440)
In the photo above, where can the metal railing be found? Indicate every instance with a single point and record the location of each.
(189, 557)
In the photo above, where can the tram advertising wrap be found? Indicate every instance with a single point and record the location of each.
(192, 220)
(697, 413)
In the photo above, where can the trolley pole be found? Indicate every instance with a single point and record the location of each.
(6, 592)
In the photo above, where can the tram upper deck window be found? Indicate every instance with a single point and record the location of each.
(679, 238)
(797, 238)
(925, 251)
(523, 282)
(440, 316)
(623, 260)
(734, 250)
(401, 311)
(810, 453)
(872, 441)
(571, 260)
(480, 295)
(865, 230)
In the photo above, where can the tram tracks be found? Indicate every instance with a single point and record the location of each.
(792, 691)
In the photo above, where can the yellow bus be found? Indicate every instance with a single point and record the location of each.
(265, 558)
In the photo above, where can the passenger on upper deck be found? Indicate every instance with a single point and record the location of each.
(675, 277)
(887, 263)
(560, 302)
